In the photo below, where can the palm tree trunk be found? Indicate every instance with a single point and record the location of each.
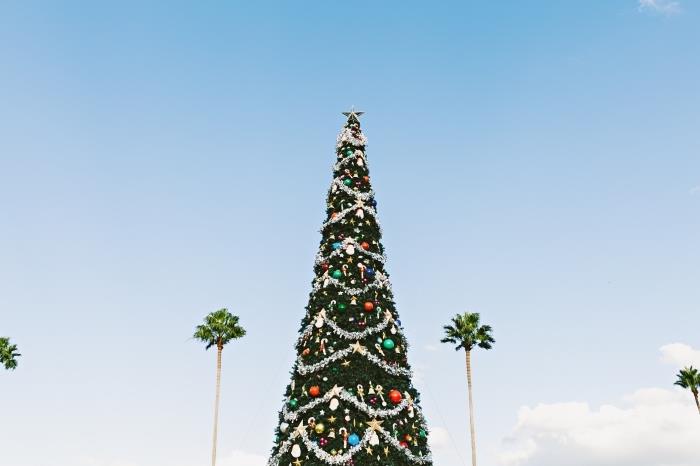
(697, 402)
(216, 403)
(471, 407)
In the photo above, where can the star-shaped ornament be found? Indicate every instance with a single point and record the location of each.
(353, 114)
(375, 425)
(300, 429)
(358, 348)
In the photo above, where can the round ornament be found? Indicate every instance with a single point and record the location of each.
(337, 245)
(403, 444)
(342, 306)
(369, 271)
(395, 396)
(315, 391)
(388, 343)
(324, 266)
(407, 437)
(334, 404)
(369, 306)
(296, 451)
(320, 428)
(353, 439)
(364, 245)
(422, 433)
(337, 274)
(293, 403)
(350, 250)
(283, 427)
(347, 181)
(349, 151)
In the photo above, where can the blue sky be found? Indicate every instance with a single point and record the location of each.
(537, 162)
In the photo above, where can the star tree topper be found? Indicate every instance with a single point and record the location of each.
(353, 114)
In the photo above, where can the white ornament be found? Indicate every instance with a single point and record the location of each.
(334, 404)
(374, 439)
(296, 451)
(350, 250)
(283, 427)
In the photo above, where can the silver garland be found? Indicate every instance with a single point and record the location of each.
(345, 396)
(320, 258)
(304, 369)
(344, 333)
(351, 192)
(344, 212)
(344, 458)
(346, 135)
(380, 282)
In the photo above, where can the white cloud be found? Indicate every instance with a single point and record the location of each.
(649, 427)
(665, 7)
(242, 458)
(680, 355)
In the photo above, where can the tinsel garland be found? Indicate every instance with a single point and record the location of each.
(351, 192)
(358, 153)
(320, 258)
(344, 212)
(344, 333)
(380, 282)
(345, 396)
(347, 136)
(304, 369)
(344, 458)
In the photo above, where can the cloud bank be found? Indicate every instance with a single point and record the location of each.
(649, 427)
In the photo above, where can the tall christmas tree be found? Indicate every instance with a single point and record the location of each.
(351, 401)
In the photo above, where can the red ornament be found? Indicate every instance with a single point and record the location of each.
(315, 391)
(362, 324)
(334, 214)
(395, 396)
(366, 178)
(365, 245)
(403, 444)
(369, 306)
(324, 266)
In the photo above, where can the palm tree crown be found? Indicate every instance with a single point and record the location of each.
(689, 377)
(466, 333)
(219, 328)
(8, 354)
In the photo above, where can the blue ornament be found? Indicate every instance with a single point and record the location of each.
(337, 245)
(353, 440)
(369, 271)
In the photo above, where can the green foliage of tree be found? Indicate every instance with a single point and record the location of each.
(689, 378)
(8, 354)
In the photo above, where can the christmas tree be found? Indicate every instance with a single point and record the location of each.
(350, 400)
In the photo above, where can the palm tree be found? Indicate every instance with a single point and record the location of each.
(689, 377)
(219, 328)
(466, 333)
(8, 354)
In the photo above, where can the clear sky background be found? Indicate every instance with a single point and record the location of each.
(538, 162)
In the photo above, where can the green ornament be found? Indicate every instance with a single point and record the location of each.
(388, 344)
(337, 274)
(349, 151)
(342, 306)
(347, 181)
(423, 433)
(293, 403)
